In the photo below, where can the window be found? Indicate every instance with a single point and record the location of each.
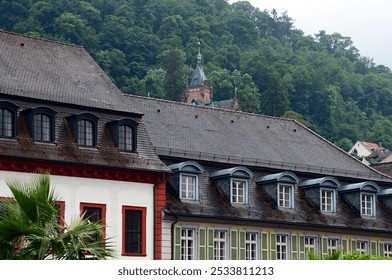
(125, 138)
(188, 186)
(310, 244)
(327, 200)
(134, 231)
(220, 245)
(86, 132)
(388, 249)
(61, 214)
(367, 204)
(188, 242)
(285, 196)
(332, 245)
(7, 119)
(94, 213)
(281, 247)
(362, 246)
(239, 191)
(6, 123)
(251, 248)
(42, 125)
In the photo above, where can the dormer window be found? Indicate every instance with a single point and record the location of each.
(84, 128)
(362, 196)
(7, 119)
(280, 187)
(125, 134)
(321, 192)
(42, 123)
(233, 184)
(186, 179)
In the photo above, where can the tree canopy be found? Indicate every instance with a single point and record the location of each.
(149, 48)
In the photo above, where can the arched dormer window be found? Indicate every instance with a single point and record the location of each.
(8, 112)
(362, 196)
(41, 122)
(125, 134)
(280, 187)
(233, 183)
(322, 192)
(84, 128)
(186, 179)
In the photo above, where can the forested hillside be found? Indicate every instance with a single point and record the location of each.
(149, 48)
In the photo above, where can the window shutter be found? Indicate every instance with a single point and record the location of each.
(373, 248)
(242, 253)
(381, 248)
(301, 247)
(177, 243)
(353, 246)
(202, 243)
(234, 244)
(264, 246)
(294, 247)
(273, 246)
(210, 244)
(344, 246)
(324, 247)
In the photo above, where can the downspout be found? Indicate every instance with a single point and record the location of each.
(172, 237)
(155, 208)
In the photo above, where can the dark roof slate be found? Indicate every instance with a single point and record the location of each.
(54, 71)
(217, 135)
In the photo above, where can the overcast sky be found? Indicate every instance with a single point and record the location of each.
(367, 22)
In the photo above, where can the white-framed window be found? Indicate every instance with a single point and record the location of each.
(285, 196)
(239, 191)
(220, 244)
(327, 203)
(362, 246)
(367, 204)
(388, 249)
(282, 246)
(188, 244)
(310, 244)
(251, 248)
(332, 245)
(188, 186)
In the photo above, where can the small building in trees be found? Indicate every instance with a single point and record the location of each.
(60, 113)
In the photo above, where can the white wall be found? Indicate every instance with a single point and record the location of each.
(115, 194)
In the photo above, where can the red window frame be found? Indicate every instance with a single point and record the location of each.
(61, 205)
(143, 232)
(102, 207)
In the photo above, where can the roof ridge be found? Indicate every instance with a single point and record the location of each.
(41, 39)
(206, 107)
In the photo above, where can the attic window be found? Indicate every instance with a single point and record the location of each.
(125, 134)
(84, 128)
(41, 122)
(8, 119)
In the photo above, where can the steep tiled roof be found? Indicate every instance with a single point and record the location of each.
(202, 133)
(36, 73)
(57, 72)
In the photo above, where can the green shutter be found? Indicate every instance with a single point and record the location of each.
(344, 246)
(234, 244)
(381, 248)
(373, 248)
(242, 249)
(202, 243)
(353, 246)
(301, 247)
(210, 244)
(273, 246)
(177, 243)
(294, 247)
(324, 247)
(264, 246)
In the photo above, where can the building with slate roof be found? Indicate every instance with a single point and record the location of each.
(247, 186)
(61, 113)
